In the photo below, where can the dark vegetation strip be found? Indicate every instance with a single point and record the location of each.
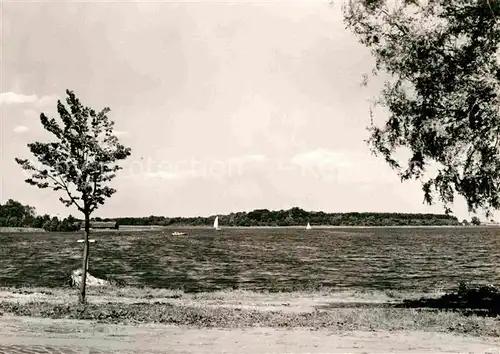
(203, 317)
(469, 299)
(15, 214)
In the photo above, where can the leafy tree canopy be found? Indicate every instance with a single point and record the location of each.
(442, 95)
(81, 160)
(13, 208)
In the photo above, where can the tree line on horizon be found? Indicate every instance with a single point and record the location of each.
(15, 214)
(297, 217)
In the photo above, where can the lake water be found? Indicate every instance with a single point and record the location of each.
(281, 259)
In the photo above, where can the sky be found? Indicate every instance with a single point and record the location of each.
(227, 106)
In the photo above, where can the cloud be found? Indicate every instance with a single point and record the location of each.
(14, 98)
(346, 167)
(248, 158)
(319, 163)
(321, 157)
(47, 101)
(7, 98)
(256, 157)
(20, 129)
(193, 168)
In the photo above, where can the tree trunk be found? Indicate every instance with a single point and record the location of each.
(83, 283)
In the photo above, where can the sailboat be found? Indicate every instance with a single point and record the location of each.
(308, 227)
(216, 224)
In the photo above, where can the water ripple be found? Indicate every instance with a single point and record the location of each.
(262, 259)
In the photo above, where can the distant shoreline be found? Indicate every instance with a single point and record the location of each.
(184, 227)
(131, 227)
(256, 219)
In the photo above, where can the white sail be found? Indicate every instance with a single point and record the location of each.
(308, 227)
(216, 223)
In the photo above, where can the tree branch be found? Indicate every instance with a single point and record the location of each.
(402, 29)
(66, 188)
(61, 184)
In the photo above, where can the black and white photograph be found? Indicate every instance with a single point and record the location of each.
(249, 176)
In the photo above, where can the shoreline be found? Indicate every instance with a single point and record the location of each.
(134, 320)
(314, 227)
(125, 228)
(298, 301)
(337, 311)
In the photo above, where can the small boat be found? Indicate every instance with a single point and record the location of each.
(178, 233)
(308, 227)
(216, 224)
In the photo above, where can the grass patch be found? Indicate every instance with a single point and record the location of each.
(8, 229)
(469, 310)
(222, 295)
(340, 319)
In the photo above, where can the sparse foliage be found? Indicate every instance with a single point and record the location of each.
(80, 162)
(442, 95)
